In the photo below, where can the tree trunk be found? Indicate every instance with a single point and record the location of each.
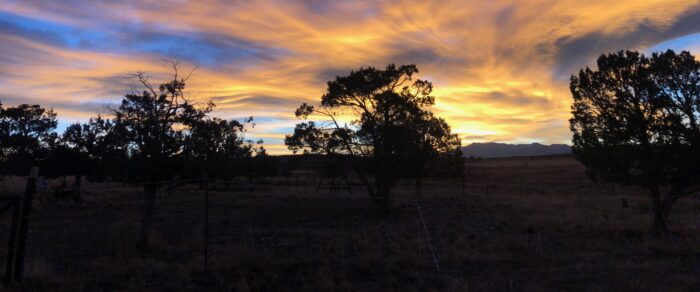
(660, 228)
(150, 191)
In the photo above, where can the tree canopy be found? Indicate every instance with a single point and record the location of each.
(383, 115)
(153, 135)
(635, 121)
(26, 132)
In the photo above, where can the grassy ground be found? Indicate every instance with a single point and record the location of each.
(518, 224)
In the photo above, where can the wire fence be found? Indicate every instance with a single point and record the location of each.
(199, 199)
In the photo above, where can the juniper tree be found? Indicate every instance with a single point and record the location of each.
(25, 134)
(154, 123)
(388, 121)
(635, 122)
(218, 148)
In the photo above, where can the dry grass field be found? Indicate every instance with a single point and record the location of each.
(516, 224)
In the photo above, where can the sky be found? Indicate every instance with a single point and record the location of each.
(500, 68)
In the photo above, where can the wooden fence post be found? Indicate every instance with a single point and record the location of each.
(206, 225)
(24, 222)
(12, 244)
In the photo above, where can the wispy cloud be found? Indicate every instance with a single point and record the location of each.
(500, 68)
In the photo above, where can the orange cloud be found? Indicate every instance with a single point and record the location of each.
(500, 68)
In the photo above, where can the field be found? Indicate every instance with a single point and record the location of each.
(514, 224)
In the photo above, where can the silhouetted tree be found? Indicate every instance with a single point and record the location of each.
(107, 148)
(25, 134)
(153, 124)
(4, 136)
(429, 140)
(78, 141)
(390, 124)
(635, 122)
(448, 165)
(86, 150)
(217, 147)
(262, 164)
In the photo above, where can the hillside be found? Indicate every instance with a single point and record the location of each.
(493, 150)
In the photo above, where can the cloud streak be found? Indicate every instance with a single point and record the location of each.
(500, 68)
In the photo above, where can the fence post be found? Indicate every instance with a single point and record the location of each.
(24, 222)
(206, 225)
(11, 248)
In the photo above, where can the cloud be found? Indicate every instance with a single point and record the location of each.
(500, 68)
(572, 51)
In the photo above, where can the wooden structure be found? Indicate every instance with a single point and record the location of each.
(21, 207)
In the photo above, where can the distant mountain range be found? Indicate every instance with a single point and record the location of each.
(493, 150)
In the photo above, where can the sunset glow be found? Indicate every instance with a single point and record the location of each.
(500, 68)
